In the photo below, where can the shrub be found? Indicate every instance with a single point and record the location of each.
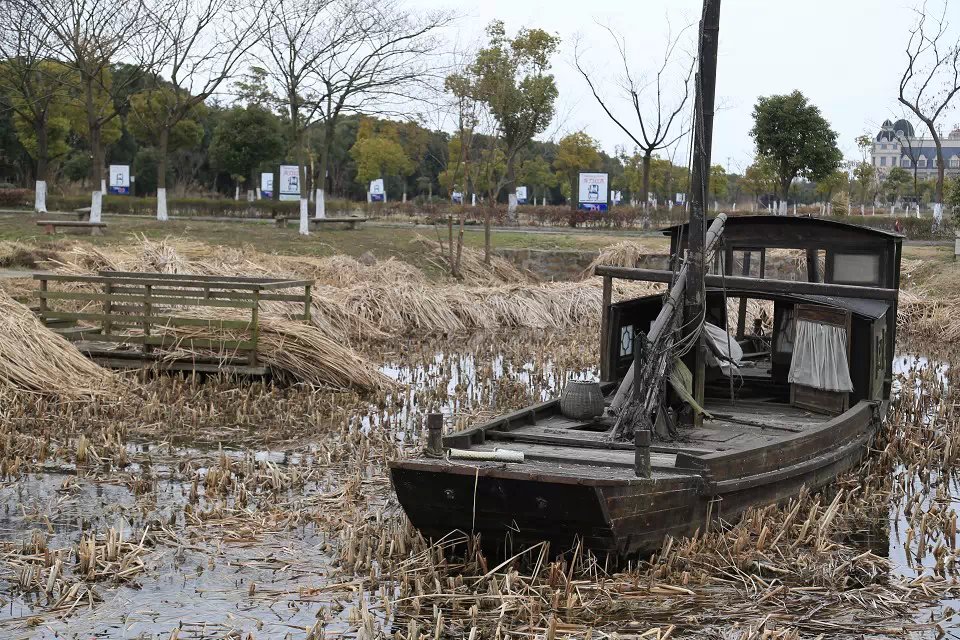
(16, 198)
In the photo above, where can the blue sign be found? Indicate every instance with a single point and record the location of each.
(593, 206)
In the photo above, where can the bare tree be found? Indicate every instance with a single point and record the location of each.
(293, 48)
(907, 140)
(90, 37)
(379, 58)
(659, 94)
(34, 90)
(201, 43)
(931, 80)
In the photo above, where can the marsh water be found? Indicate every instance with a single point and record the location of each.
(254, 572)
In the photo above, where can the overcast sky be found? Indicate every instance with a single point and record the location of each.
(846, 56)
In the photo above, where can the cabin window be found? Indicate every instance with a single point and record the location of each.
(856, 268)
(626, 340)
(746, 263)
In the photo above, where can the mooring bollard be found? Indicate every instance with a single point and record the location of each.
(641, 460)
(435, 434)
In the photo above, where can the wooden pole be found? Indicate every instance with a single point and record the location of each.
(606, 372)
(434, 434)
(742, 311)
(641, 428)
(706, 84)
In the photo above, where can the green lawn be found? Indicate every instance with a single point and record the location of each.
(382, 241)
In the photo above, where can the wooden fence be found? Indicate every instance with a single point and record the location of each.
(128, 315)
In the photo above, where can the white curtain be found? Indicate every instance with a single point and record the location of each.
(820, 357)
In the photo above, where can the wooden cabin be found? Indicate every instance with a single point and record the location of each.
(804, 250)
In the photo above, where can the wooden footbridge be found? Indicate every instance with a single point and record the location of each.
(129, 320)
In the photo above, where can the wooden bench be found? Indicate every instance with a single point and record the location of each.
(83, 213)
(350, 221)
(50, 226)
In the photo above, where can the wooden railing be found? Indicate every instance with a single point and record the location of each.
(144, 310)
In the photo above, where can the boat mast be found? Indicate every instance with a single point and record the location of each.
(706, 85)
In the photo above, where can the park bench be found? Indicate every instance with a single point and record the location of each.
(350, 221)
(83, 213)
(132, 319)
(50, 226)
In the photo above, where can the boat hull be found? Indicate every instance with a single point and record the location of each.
(513, 506)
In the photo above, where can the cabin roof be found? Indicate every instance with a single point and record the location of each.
(809, 226)
(871, 309)
(864, 307)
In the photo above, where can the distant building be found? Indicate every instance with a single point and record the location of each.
(898, 146)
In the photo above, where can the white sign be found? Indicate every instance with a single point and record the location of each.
(457, 197)
(681, 198)
(119, 179)
(521, 195)
(289, 182)
(593, 191)
(616, 197)
(266, 185)
(376, 190)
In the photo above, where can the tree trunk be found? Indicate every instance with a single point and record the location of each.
(322, 164)
(785, 194)
(304, 201)
(646, 178)
(40, 197)
(96, 173)
(162, 174)
(941, 168)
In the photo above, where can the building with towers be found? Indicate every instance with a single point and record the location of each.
(897, 145)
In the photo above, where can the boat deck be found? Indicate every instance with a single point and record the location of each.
(558, 445)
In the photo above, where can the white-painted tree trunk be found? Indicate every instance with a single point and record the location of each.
(938, 212)
(863, 210)
(734, 207)
(794, 208)
(96, 206)
(918, 210)
(259, 194)
(103, 186)
(236, 193)
(404, 195)
(321, 211)
(369, 197)
(40, 197)
(473, 199)
(249, 195)
(162, 204)
(304, 217)
(829, 208)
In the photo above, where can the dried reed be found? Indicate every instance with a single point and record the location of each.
(34, 359)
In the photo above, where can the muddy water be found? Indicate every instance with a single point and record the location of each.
(275, 580)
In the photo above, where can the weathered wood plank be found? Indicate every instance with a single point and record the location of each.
(158, 320)
(122, 297)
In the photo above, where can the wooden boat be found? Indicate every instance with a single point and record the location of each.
(791, 406)
(576, 482)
